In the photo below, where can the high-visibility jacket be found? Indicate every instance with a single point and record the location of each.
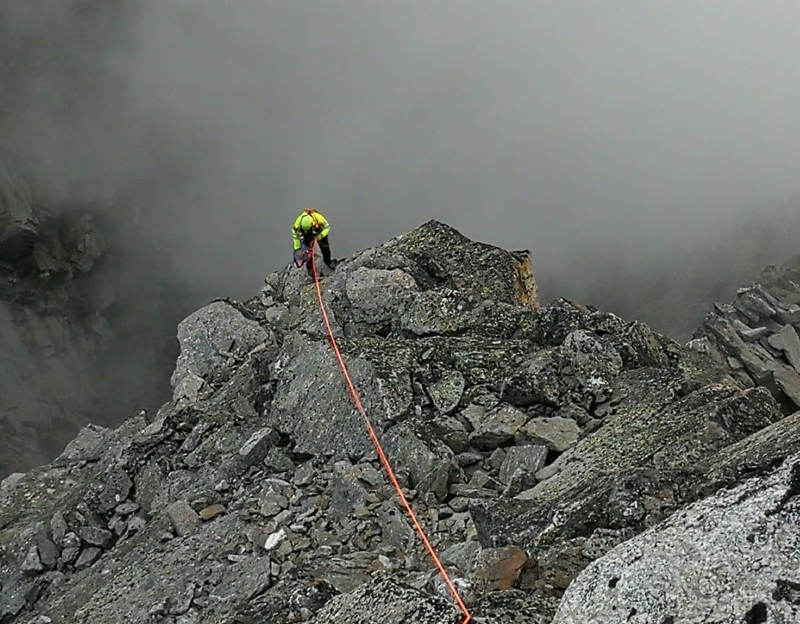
(320, 229)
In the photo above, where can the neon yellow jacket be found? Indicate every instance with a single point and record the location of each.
(320, 223)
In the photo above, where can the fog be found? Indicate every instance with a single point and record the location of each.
(614, 140)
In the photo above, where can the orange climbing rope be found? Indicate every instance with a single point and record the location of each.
(381, 455)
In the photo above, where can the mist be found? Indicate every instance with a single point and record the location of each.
(613, 140)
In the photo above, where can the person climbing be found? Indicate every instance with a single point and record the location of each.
(311, 227)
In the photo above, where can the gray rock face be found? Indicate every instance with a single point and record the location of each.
(759, 330)
(313, 404)
(368, 291)
(213, 335)
(729, 558)
(528, 459)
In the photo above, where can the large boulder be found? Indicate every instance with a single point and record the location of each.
(729, 558)
(212, 337)
(436, 255)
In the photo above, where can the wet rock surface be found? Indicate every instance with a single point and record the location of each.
(533, 443)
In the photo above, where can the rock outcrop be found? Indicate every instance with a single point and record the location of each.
(532, 442)
(51, 325)
(76, 343)
(730, 558)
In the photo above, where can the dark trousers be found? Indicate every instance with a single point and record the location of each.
(325, 247)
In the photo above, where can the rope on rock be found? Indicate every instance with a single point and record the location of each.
(379, 451)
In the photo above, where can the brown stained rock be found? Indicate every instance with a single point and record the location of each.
(499, 568)
(211, 512)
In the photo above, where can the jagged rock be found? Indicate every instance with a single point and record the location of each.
(787, 341)
(32, 564)
(592, 361)
(210, 336)
(424, 460)
(740, 544)
(272, 503)
(535, 380)
(88, 557)
(58, 528)
(453, 433)
(148, 483)
(48, 553)
(435, 253)
(184, 519)
(189, 390)
(71, 548)
(557, 434)
(439, 312)
(95, 536)
(751, 334)
(386, 601)
(498, 427)
(87, 446)
(754, 303)
(526, 459)
(255, 449)
(116, 489)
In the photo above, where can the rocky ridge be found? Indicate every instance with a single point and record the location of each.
(534, 443)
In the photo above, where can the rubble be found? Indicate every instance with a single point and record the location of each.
(532, 441)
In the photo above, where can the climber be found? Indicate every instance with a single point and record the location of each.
(309, 228)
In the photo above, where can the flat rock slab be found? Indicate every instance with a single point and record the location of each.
(314, 406)
(788, 380)
(529, 459)
(557, 434)
(730, 558)
(788, 341)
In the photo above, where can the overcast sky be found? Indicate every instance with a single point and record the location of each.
(592, 133)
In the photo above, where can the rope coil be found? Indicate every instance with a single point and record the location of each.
(380, 453)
